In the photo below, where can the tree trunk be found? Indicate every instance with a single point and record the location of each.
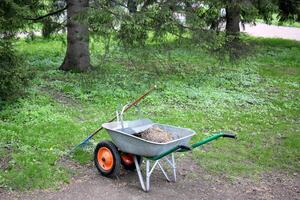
(47, 28)
(132, 6)
(77, 57)
(233, 12)
(188, 13)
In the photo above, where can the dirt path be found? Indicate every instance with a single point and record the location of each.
(272, 31)
(193, 183)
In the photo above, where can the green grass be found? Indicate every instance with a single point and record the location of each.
(257, 97)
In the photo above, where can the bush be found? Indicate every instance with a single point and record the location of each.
(13, 76)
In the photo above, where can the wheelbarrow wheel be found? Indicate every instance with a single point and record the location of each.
(107, 159)
(128, 162)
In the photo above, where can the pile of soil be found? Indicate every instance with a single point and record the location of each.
(156, 134)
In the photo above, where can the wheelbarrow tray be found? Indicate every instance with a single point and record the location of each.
(122, 134)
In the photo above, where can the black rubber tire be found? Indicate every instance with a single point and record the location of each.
(115, 170)
(132, 167)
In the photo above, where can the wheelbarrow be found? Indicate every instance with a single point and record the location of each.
(129, 150)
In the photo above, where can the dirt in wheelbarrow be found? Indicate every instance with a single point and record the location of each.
(155, 134)
(193, 182)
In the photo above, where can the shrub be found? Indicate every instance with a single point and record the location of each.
(13, 76)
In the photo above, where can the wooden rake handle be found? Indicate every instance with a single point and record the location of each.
(133, 103)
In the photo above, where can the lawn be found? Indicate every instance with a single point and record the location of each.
(257, 97)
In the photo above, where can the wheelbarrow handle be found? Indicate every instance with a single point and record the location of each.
(229, 135)
(183, 148)
(213, 137)
(179, 148)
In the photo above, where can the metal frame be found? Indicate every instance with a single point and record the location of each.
(149, 170)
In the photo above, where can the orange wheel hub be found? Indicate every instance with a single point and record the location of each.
(105, 158)
(127, 159)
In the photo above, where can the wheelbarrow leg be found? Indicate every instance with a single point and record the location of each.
(172, 163)
(148, 175)
(138, 169)
(164, 172)
(150, 169)
(149, 172)
(174, 167)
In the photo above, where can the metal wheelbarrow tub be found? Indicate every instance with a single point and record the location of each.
(122, 134)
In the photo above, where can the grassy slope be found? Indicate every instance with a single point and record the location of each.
(258, 98)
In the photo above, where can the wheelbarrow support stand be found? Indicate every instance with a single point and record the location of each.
(149, 170)
(171, 161)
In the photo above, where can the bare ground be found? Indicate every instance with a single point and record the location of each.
(193, 183)
(60, 97)
(5, 158)
(272, 31)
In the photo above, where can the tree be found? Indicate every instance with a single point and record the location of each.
(289, 10)
(13, 76)
(238, 12)
(77, 56)
(131, 20)
(233, 16)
